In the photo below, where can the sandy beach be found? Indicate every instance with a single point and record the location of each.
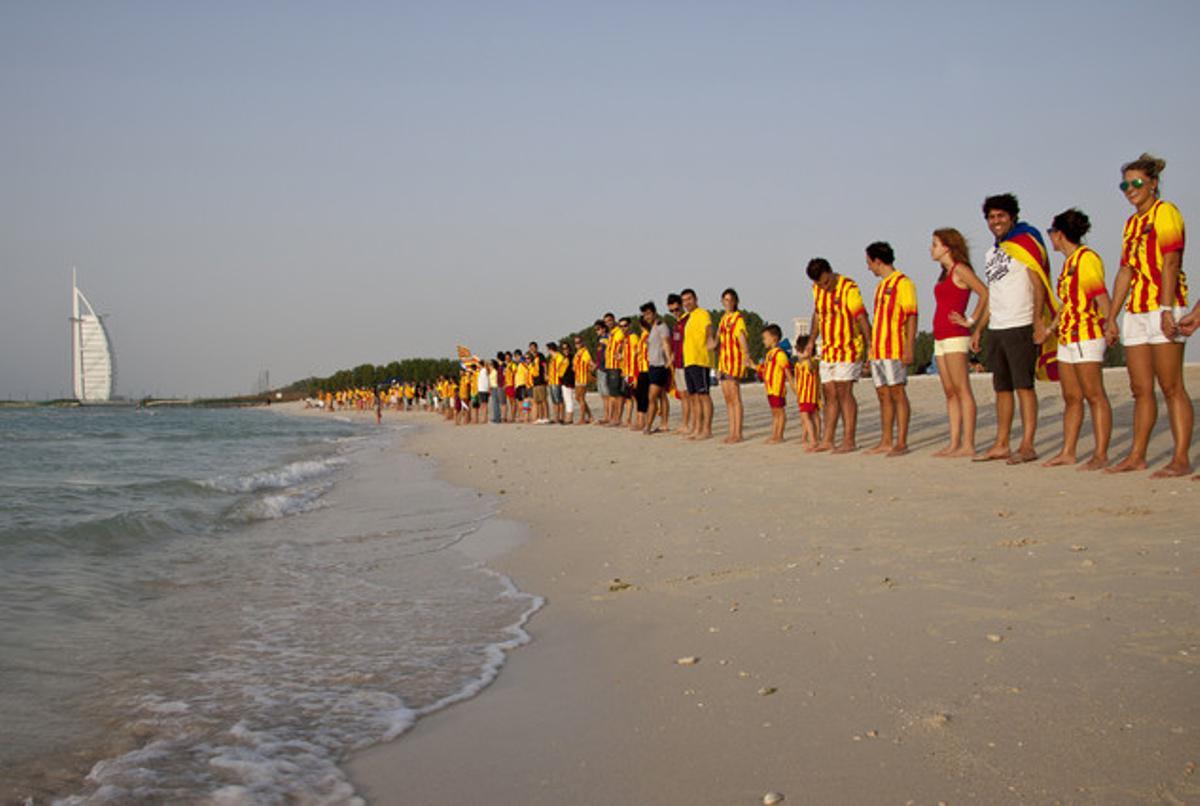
(857, 629)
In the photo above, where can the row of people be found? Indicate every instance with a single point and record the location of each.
(1034, 330)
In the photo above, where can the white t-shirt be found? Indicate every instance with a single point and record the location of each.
(484, 384)
(1010, 291)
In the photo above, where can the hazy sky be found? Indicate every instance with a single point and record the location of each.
(302, 187)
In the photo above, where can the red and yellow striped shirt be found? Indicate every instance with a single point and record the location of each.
(1148, 237)
(633, 346)
(1081, 281)
(731, 360)
(837, 313)
(583, 374)
(556, 367)
(895, 302)
(806, 382)
(615, 340)
(774, 369)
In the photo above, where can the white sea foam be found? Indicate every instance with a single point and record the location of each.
(277, 479)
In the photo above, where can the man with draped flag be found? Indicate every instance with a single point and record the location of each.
(1021, 347)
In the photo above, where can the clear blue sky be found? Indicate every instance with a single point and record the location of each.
(301, 187)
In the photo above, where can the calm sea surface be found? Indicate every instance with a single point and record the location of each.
(218, 605)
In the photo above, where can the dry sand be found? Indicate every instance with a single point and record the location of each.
(868, 630)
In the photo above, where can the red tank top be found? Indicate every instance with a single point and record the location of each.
(949, 297)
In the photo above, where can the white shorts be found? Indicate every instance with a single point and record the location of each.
(889, 372)
(955, 344)
(1081, 352)
(1146, 328)
(680, 381)
(840, 371)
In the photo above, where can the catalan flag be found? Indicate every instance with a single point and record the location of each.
(1024, 244)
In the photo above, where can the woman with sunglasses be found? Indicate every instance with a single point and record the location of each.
(1152, 286)
(1080, 326)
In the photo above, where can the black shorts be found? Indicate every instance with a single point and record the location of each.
(522, 392)
(616, 383)
(660, 377)
(1012, 358)
(642, 395)
(697, 379)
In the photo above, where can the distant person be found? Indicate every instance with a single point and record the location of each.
(496, 380)
(699, 340)
(510, 387)
(1152, 286)
(675, 308)
(635, 396)
(807, 379)
(615, 370)
(537, 372)
(601, 360)
(584, 367)
(568, 382)
(659, 360)
(556, 367)
(956, 336)
(776, 372)
(733, 357)
(844, 329)
(1083, 304)
(1017, 270)
(483, 390)
(895, 317)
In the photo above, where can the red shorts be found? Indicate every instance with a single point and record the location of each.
(776, 401)
(805, 408)
(510, 391)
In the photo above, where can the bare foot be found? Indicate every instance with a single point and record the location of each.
(1059, 460)
(967, 451)
(822, 447)
(1023, 456)
(845, 448)
(773, 441)
(882, 447)
(995, 454)
(1127, 465)
(948, 451)
(899, 450)
(810, 448)
(1095, 463)
(1173, 470)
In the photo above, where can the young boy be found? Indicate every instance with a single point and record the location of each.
(776, 371)
(806, 396)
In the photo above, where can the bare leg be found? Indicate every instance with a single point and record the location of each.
(903, 411)
(1072, 392)
(1029, 416)
(849, 406)
(1140, 364)
(887, 419)
(953, 409)
(1004, 418)
(1168, 369)
(1091, 380)
(832, 410)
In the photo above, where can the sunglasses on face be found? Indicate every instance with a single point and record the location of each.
(1136, 184)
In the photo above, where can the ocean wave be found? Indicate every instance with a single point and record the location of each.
(279, 505)
(278, 478)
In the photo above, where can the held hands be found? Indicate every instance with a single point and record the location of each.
(976, 339)
(1189, 322)
(1039, 332)
(1169, 327)
(1110, 332)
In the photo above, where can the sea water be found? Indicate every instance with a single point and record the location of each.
(217, 606)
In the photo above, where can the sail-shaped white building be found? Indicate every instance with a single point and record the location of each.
(93, 364)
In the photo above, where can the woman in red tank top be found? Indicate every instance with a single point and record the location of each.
(954, 335)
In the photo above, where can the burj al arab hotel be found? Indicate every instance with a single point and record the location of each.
(93, 365)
